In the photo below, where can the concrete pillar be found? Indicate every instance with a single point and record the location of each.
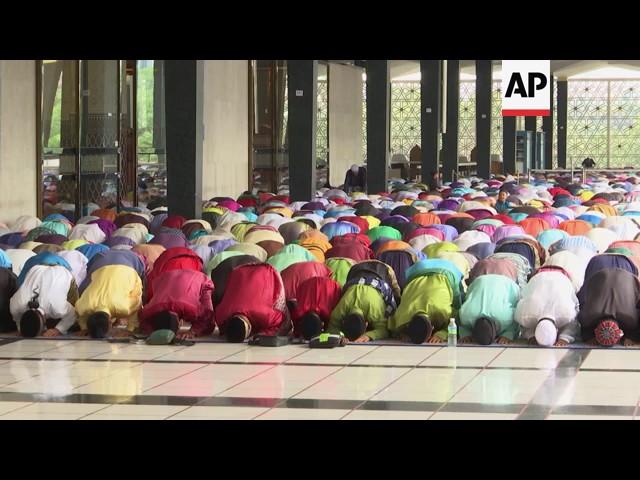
(225, 152)
(345, 117)
(18, 162)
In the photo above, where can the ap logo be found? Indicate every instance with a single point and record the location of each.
(526, 88)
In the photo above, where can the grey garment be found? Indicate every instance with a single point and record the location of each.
(113, 257)
(522, 265)
(610, 293)
(355, 181)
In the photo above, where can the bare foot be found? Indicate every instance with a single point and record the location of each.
(435, 339)
(121, 333)
(52, 332)
(504, 341)
(81, 333)
(188, 335)
(362, 339)
(630, 343)
(466, 340)
(561, 343)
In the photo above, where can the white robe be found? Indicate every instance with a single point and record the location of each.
(78, 263)
(89, 232)
(53, 284)
(549, 295)
(574, 264)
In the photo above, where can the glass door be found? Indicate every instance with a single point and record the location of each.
(150, 132)
(102, 135)
(127, 162)
(99, 135)
(59, 136)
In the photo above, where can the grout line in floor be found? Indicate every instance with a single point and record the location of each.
(481, 370)
(315, 383)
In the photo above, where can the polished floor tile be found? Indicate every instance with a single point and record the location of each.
(46, 408)
(208, 381)
(353, 383)
(473, 416)
(41, 416)
(126, 410)
(545, 358)
(268, 354)
(386, 415)
(120, 383)
(602, 388)
(95, 380)
(302, 414)
(402, 356)
(588, 417)
(204, 352)
(428, 385)
(111, 416)
(613, 360)
(462, 357)
(6, 407)
(336, 356)
(283, 381)
(219, 413)
(502, 387)
(137, 352)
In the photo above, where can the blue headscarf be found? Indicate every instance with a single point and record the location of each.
(5, 261)
(44, 258)
(89, 250)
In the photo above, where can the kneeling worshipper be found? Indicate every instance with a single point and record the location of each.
(609, 308)
(370, 296)
(8, 287)
(113, 295)
(548, 309)
(182, 303)
(105, 258)
(44, 301)
(432, 295)
(486, 316)
(253, 304)
(316, 297)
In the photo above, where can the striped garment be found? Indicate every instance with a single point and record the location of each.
(372, 280)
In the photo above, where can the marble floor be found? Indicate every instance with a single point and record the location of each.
(98, 380)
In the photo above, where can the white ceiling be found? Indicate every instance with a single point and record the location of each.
(562, 69)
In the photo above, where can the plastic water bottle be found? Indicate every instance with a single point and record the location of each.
(452, 339)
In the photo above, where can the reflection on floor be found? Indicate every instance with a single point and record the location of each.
(95, 380)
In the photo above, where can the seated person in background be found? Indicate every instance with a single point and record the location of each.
(8, 287)
(253, 304)
(609, 308)
(588, 163)
(487, 313)
(316, 298)
(431, 296)
(355, 180)
(182, 300)
(548, 309)
(114, 293)
(43, 304)
(502, 206)
(370, 296)
(434, 181)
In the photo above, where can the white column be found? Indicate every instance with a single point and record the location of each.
(18, 178)
(225, 169)
(345, 120)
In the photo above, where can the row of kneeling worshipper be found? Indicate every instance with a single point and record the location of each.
(551, 262)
